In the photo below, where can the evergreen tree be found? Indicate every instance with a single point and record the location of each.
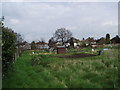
(107, 38)
(33, 47)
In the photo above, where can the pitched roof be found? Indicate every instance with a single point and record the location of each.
(74, 39)
(23, 43)
(41, 43)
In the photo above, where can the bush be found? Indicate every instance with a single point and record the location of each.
(8, 48)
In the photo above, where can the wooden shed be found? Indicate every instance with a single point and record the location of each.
(61, 50)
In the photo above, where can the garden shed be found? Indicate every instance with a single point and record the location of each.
(61, 50)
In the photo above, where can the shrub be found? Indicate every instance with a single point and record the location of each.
(8, 48)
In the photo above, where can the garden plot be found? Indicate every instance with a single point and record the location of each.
(77, 55)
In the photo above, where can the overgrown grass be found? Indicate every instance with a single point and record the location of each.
(47, 71)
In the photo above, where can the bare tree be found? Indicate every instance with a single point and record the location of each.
(1, 22)
(62, 35)
(42, 40)
(52, 43)
(19, 38)
(42, 43)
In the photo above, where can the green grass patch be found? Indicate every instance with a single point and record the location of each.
(50, 71)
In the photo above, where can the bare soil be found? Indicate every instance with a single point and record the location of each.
(77, 55)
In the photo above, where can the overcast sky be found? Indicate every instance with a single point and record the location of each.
(38, 20)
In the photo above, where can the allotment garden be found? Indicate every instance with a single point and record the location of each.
(78, 68)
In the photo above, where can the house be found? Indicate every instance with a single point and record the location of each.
(24, 45)
(115, 39)
(72, 43)
(41, 45)
(88, 42)
(101, 41)
(59, 43)
(27, 46)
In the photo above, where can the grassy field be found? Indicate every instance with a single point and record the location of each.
(49, 71)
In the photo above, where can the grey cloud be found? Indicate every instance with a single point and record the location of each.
(36, 20)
